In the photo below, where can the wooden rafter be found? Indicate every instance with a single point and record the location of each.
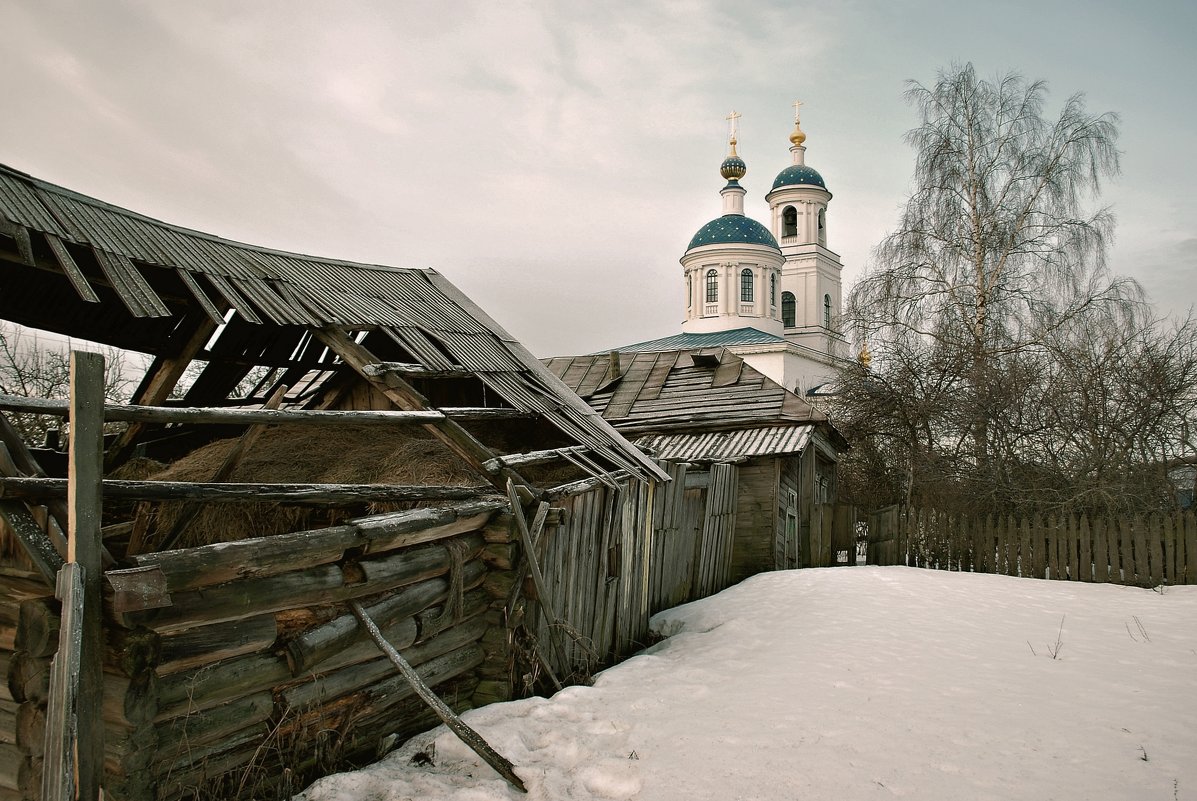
(405, 396)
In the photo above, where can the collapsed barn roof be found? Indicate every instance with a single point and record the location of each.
(77, 266)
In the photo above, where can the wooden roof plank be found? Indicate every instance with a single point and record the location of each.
(658, 376)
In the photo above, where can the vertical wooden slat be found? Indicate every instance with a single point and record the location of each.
(59, 775)
(1053, 546)
(1038, 540)
(1113, 550)
(1085, 553)
(1142, 576)
(1155, 551)
(1125, 537)
(1168, 533)
(84, 474)
(1101, 551)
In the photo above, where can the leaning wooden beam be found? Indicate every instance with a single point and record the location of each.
(405, 396)
(470, 737)
(533, 457)
(32, 537)
(157, 385)
(414, 370)
(25, 464)
(544, 599)
(315, 494)
(125, 413)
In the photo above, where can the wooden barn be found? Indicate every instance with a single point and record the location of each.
(709, 407)
(315, 443)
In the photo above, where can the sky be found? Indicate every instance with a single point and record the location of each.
(554, 159)
(891, 682)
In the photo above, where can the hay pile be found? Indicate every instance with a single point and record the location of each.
(298, 454)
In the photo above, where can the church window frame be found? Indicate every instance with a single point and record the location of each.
(827, 311)
(712, 285)
(822, 226)
(689, 290)
(746, 285)
(789, 310)
(773, 290)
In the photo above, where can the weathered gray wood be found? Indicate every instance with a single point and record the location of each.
(193, 691)
(37, 627)
(211, 725)
(301, 494)
(470, 737)
(192, 568)
(25, 464)
(391, 530)
(413, 370)
(307, 651)
(63, 774)
(38, 547)
(215, 415)
(352, 677)
(534, 457)
(85, 469)
(202, 645)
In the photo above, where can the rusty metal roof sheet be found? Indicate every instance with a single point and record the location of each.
(722, 446)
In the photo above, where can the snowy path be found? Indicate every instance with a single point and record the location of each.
(857, 683)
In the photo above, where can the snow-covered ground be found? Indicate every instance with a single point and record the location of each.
(855, 683)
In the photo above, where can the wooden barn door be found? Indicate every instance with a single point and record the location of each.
(713, 567)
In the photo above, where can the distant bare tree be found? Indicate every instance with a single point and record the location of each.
(996, 326)
(30, 369)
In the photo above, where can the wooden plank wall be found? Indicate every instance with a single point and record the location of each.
(756, 518)
(255, 664)
(1144, 551)
(618, 557)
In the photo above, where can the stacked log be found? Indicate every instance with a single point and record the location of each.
(237, 670)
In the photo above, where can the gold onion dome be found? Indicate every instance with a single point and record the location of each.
(798, 136)
(733, 167)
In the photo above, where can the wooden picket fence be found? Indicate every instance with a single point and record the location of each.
(1144, 551)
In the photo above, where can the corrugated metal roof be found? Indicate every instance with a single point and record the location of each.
(439, 325)
(714, 339)
(719, 446)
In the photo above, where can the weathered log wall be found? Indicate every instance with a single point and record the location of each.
(256, 677)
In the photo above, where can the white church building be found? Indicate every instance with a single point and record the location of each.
(770, 295)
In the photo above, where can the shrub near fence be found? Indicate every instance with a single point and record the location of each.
(1144, 551)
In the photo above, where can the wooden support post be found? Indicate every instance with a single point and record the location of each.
(85, 470)
(468, 736)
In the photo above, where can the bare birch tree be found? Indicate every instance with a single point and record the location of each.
(980, 306)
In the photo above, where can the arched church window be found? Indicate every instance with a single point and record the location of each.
(827, 311)
(773, 289)
(789, 221)
(689, 290)
(712, 286)
(788, 310)
(822, 226)
(746, 285)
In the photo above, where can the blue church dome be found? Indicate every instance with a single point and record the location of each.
(733, 229)
(797, 175)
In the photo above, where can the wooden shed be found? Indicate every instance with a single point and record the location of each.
(232, 665)
(709, 407)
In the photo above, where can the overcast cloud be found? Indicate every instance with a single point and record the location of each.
(553, 159)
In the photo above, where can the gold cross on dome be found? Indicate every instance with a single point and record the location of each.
(797, 103)
(733, 126)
